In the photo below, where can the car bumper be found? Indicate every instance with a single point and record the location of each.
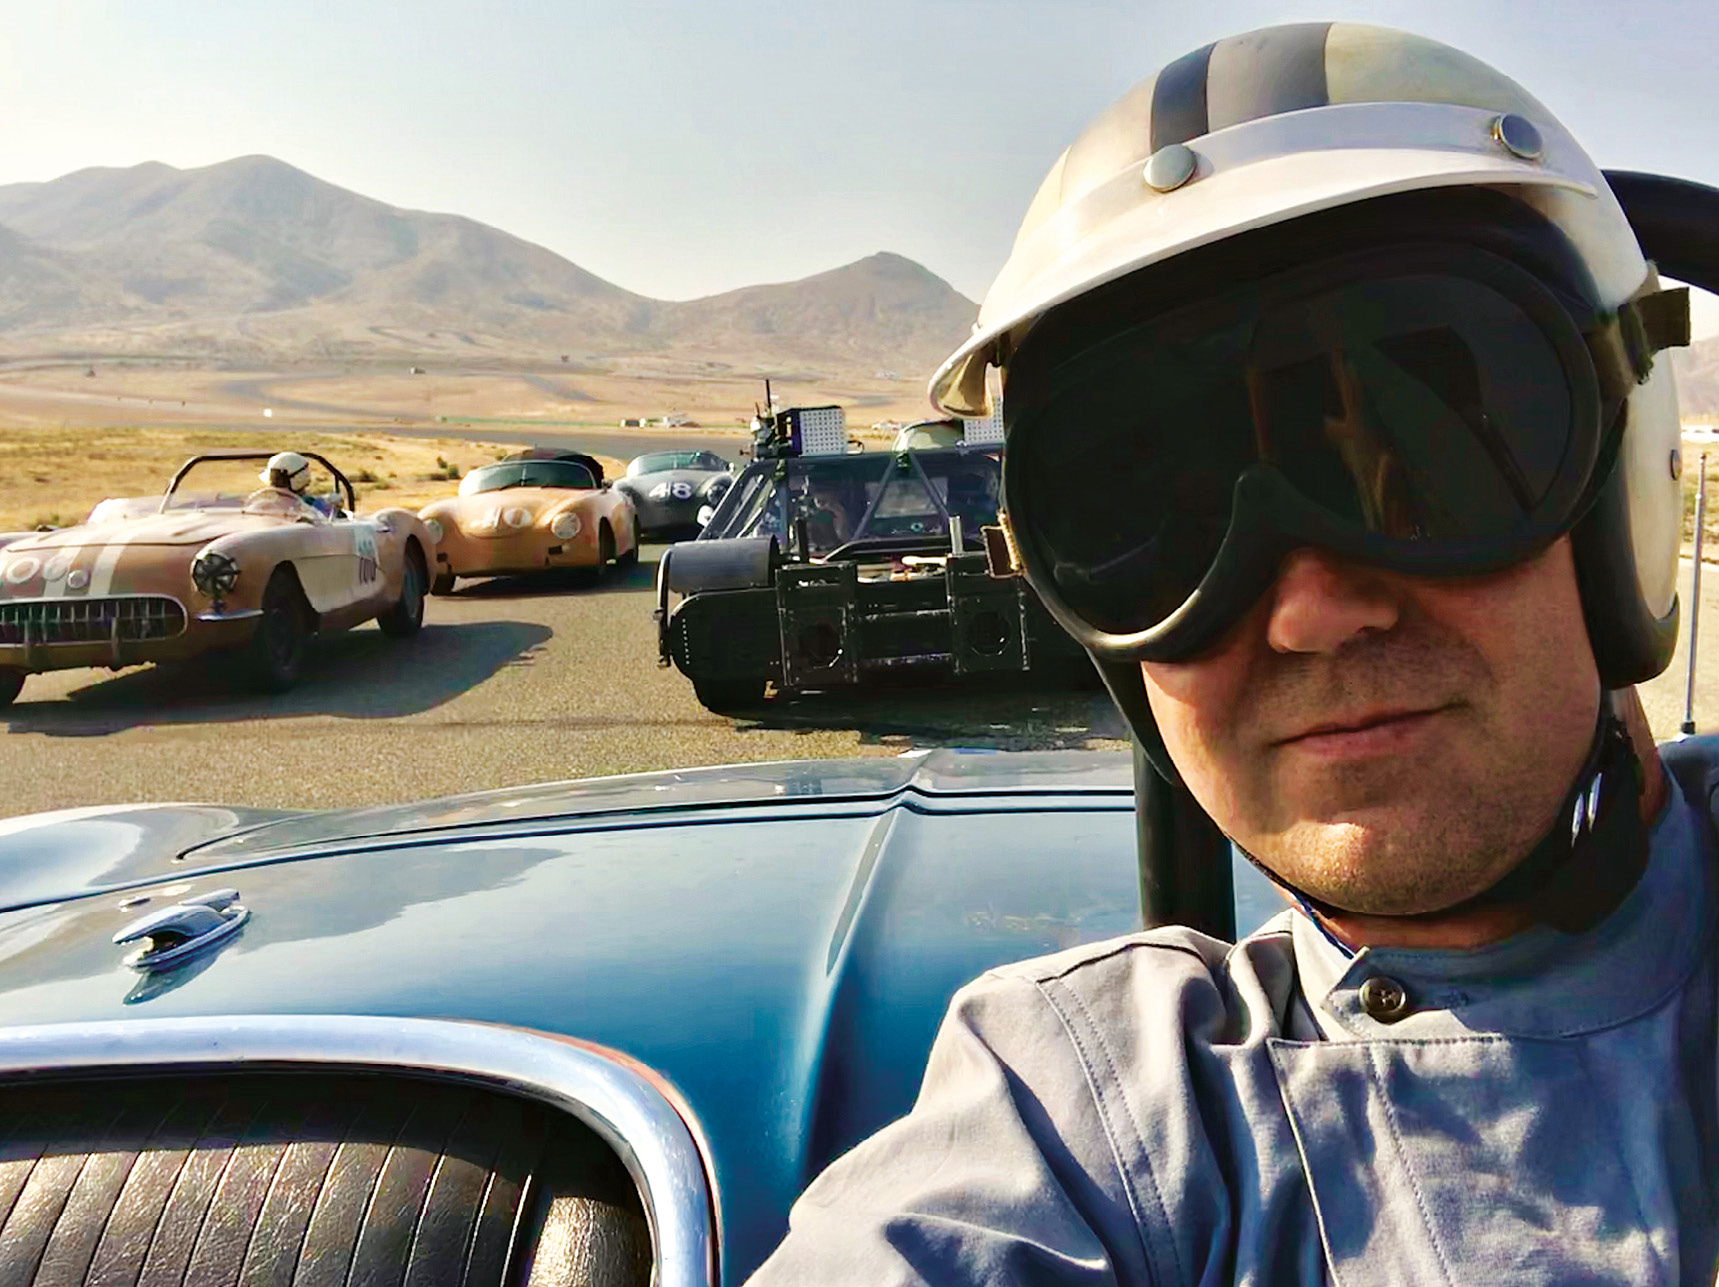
(658, 515)
(40, 635)
(535, 551)
(840, 630)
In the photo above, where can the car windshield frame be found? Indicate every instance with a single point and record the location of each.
(559, 475)
(771, 494)
(344, 497)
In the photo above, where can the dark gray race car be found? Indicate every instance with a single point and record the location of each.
(822, 572)
(668, 489)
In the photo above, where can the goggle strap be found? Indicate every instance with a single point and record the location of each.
(1624, 343)
(1664, 317)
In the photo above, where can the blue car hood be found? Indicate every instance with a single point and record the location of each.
(109, 848)
(779, 941)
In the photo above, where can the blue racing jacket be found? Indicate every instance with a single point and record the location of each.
(1167, 1109)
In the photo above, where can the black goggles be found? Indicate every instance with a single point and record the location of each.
(1427, 409)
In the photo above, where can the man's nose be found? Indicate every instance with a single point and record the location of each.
(1320, 602)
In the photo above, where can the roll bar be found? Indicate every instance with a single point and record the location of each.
(1676, 222)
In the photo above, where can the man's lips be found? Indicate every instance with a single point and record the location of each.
(1367, 733)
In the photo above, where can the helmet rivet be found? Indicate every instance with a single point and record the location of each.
(1517, 136)
(1170, 167)
(1676, 463)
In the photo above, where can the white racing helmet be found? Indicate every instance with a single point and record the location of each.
(288, 470)
(1256, 139)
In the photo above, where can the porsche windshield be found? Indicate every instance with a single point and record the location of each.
(528, 473)
(660, 462)
(869, 497)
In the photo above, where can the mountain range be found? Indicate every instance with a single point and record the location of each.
(255, 259)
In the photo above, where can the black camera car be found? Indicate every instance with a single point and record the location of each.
(828, 567)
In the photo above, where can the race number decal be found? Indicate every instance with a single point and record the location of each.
(365, 538)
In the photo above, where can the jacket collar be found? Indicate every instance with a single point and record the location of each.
(1541, 982)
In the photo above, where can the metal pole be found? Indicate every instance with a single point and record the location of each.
(1695, 597)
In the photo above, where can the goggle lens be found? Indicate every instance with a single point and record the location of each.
(1422, 407)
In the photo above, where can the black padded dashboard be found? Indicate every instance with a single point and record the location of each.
(253, 1179)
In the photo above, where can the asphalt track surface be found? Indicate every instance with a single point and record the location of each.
(515, 681)
(511, 681)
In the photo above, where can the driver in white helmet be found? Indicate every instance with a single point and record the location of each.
(1369, 358)
(288, 471)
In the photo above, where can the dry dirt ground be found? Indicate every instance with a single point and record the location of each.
(558, 399)
(141, 391)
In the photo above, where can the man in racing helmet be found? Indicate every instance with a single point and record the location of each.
(1365, 350)
(290, 472)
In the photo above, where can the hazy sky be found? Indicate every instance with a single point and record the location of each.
(684, 147)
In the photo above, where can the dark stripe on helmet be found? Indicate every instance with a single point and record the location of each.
(1263, 73)
(1179, 100)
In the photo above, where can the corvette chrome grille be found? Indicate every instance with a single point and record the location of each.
(76, 621)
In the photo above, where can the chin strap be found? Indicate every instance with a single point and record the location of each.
(1582, 868)
(1596, 850)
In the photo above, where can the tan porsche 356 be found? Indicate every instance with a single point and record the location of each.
(535, 511)
(257, 570)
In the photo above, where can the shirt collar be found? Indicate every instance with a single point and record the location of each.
(1541, 982)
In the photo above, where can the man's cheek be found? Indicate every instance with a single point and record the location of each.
(1199, 708)
(1200, 735)
(1183, 710)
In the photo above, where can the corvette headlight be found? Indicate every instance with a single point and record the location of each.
(566, 526)
(713, 490)
(434, 529)
(214, 573)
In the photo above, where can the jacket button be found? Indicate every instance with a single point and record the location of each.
(1384, 999)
